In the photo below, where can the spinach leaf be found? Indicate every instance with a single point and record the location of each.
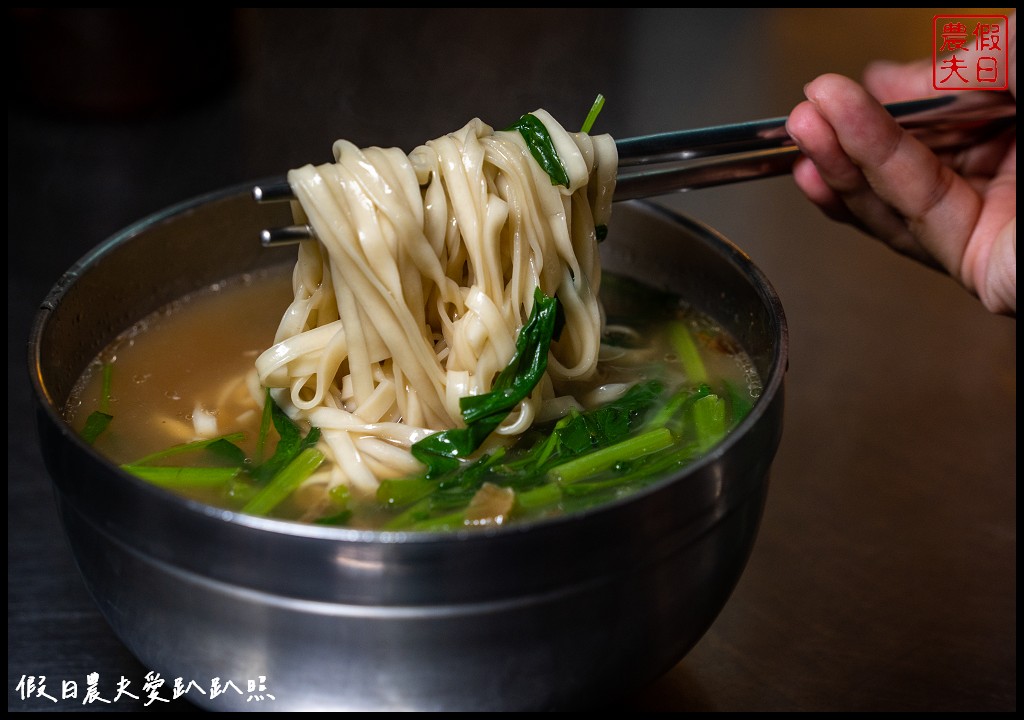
(441, 452)
(538, 140)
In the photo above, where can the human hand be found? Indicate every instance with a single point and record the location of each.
(955, 212)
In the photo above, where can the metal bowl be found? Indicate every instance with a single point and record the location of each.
(556, 614)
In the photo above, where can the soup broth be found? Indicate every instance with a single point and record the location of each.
(183, 409)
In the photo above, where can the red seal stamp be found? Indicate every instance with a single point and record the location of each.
(969, 52)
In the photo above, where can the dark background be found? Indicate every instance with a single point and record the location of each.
(884, 576)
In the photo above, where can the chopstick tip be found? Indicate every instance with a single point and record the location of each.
(272, 192)
(289, 235)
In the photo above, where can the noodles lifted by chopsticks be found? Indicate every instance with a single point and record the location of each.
(424, 273)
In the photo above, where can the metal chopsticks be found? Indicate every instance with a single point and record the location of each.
(663, 163)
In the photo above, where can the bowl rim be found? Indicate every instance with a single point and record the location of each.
(772, 386)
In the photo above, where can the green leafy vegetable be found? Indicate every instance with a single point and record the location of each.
(539, 497)
(340, 518)
(259, 487)
(441, 451)
(601, 231)
(538, 140)
(183, 477)
(689, 355)
(339, 496)
(227, 452)
(677, 413)
(285, 482)
(739, 401)
(189, 447)
(99, 420)
(595, 110)
(439, 501)
(600, 460)
(95, 424)
(403, 491)
(290, 445)
(709, 420)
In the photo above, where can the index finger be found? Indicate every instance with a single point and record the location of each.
(939, 206)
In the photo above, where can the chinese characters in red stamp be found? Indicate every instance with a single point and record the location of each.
(969, 52)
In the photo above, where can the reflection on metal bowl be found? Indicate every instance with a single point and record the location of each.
(555, 614)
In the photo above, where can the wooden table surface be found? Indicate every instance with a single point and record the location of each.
(884, 575)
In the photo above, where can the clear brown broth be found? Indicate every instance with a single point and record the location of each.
(197, 351)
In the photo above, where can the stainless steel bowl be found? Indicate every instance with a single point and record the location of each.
(558, 614)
